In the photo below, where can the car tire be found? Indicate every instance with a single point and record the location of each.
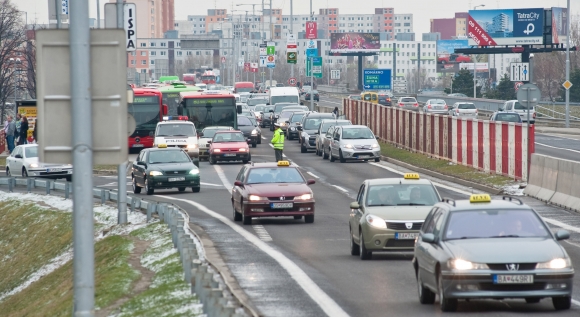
(24, 172)
(332, 159)
(378, 159)
(342, 159)
(354, 248)
(136, 188)
(426, 296)
(211, 160)
(297, 217)
(324, 154)
(245, 161)
(259, 139)
(447, 304)
(562, 303)
(364, 254)
(290, 137)
(237, 215)
(181, 189)
(8, 172)
(254, 144)
(533, 300)
(246, 220)
(303, 148)
(309, 218)
(196, 189)
(148, 190)
(68, 178)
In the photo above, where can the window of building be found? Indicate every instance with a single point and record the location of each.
(152, 62)
(143, 44)
(152, 53)
(143, 53)
(179, 53)
(163, 53)
(152, 44)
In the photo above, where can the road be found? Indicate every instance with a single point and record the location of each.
(290, 268)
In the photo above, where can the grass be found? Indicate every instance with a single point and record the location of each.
(105, 167)
(443, 167)
(3, 161)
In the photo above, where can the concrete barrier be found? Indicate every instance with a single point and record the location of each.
(549, 179)
(536, 174)
(564, 182)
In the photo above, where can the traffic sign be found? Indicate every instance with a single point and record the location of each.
(271, 48)
(311, 44)
(567, 84)
(314, 63)
(311, 52)
(291, 39)
(335, 74)
(263, 61)
(223, 59)
(520, 71)
(271, 61)
(377, 78)
(263, 50)
(292, 81)
(517, 85)
(311, 30)
(291, 48)
(291, 57)
(64, 6)
(529, 94)
(246, 67)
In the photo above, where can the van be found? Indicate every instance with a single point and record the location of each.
(369, 96)
(243, 86)
(283, 94)
(522, 110)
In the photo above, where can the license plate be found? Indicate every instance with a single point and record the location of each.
(176, 179)
(513, 279)
(363, 156)
(53, 170)
(406, 235)
(137, 145)
(281, 205)
(229, 155)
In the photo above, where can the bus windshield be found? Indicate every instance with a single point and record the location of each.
(214, 111)
(171, 99)
(146, 111)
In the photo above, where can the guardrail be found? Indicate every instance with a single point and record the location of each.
(218, 297)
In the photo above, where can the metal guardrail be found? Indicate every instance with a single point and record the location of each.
(219, 299)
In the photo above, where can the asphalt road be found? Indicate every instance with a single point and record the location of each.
(290, 268)
(560, 146)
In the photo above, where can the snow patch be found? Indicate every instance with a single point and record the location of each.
(513, 190)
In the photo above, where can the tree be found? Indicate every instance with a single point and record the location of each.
(575, 89)
(463, 83)
(503, 91)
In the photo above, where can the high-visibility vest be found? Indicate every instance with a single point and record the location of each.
(278, 140)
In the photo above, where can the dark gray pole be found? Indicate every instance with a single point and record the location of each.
(58, 12)
(122, 168)
(568, 63)
(418, 67)
(98, 14)
(394, 65)
(82, 139)
(292, 32)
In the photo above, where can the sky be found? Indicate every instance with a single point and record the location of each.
(38, 9)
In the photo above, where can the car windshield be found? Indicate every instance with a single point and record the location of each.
(507, 117)
(256, 101)
(466, 106)
(228, 137)
(260, 108)
(357, 133)
(253, 120)
(209, 133)
(274, 175)
(438, 101)
(244, 121)
(502, 223)
(175, 129)
(402, 195)
(246, 112)
(31, 151)
(328, 124)
(168, 156)
(296, 117)
(312, 124)
(408, 100)
(519, 106)
(286, 114)
(278, 107)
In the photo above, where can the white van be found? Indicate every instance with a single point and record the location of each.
(201, 86)
(522, 110)
(283, 94)
(178, 132)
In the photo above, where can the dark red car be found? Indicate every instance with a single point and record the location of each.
(272, 190)
(228, 146)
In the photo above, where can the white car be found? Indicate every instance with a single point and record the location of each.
(24, 162)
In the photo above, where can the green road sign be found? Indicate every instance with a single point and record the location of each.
(291, 57)
(271, 49)
(316, 69)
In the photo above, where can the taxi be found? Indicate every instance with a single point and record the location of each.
(490, 249)
(164, 167)
(272, 190)
(388, 214)
(229, 146)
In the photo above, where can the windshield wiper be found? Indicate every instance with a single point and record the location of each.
(411, 204)
(162, 135)
(180, 135)
(463, 238)
(506, 236)
(380, 205)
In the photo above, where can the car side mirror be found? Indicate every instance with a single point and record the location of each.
(209, 141)
(141, 163)
(337, 138)
(376, 137)
(288, 122)
(562, 235)
(316, 132)
(301, 103)
(500, 109)
(299, 128)
(310, 182)
(268, 104)
(428, 237)
(354, 205)
(238, 183)
(18, 156)
(271, 111)
(200, 134)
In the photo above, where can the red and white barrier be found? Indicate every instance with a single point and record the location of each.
(493, 147)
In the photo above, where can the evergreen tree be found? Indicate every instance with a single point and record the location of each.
(463, 83)
(503, 91)
(575, 89)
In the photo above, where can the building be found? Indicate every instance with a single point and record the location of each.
(154, 17)
(168, 15)
(451, 28)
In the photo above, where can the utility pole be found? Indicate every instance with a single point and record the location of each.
(82, 144)
(58, 22)
(311, 68)
(568, 63)
(418, 67)
(292, 32)
(122, 168)
(271, 29)
(98, 14)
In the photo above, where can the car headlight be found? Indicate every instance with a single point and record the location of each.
(33, 165)
(559, 263)
(255, 198)
(192, 146)
(376, 222)
(303, 197)
(347, 146)
(292, 129)
(243, 149)
(217, 150)
(155, 173)
(254, 132)
(462, 265)
(375, 146)
(194, 172)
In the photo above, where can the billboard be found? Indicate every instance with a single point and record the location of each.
(447, 60)
(559, 17)
(311, 30)
(354, 42)
(505, 27)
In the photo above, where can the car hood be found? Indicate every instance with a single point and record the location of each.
(171, 166)
(203, 140)
(246, 128)
(278, 190)
(512, 250)
(229, 145)
(34, 160)
(310, 132)
(399, 213)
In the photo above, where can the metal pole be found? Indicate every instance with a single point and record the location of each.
(82, 139)
(568, 63)
(57, 12)
(528, 104)
(271, 39)
(122, 168)
(474, 82)
(418, 67)
(98, 14)
(311, 70)
(292, 32)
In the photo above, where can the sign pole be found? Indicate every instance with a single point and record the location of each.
(82, 145)
(58, 13)
(568, 63)
(122, 168)
(311, 81)
(292, 32)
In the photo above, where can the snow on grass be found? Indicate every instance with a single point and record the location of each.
(514, 190)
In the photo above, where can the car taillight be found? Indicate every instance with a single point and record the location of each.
(388, 99)
(428, 106)
(401, 104)
(445, 106)
(415, 105)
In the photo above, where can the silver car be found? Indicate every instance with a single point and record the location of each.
(436, 106)
(354, 142)
(23, 161)
(463, 109)
(323, 128)
(408, 103)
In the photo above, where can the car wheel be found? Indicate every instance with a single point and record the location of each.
(362, 250)
(532, 300)
(195, 189)
(324, 154)
(181, 189)
(254, 144)
(426, 296)
(309, 218)
(136, 189)
(297, 217)
(303, 148)
(211, 160)
(237, 215)
(148, 189)
(562, 303)
(24, 172)
(447, 304)
(332, 159)
(259, 139)
(8, 172)
(342, 160)
(246, 220)
(354, 248)
(378, 159)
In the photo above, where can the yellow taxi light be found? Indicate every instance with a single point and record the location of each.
(283, 163)
(411, 176)
(480, 198)
(161, 146)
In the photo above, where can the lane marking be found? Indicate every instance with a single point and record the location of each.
(558, 148)
(561, 225)
(262, 233)
(223, 177)
(561, 136)
(312, 174)
(263, 138)
(340, 188)
(210, 184)
(324, 301)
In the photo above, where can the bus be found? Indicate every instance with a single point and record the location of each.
(209, 108)
(168, 79)
(208, 77)
(147, 110)
(171, 96)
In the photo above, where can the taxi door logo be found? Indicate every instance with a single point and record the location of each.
(512, 267)
(311, 30)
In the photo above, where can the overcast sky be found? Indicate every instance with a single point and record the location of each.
(422, 10)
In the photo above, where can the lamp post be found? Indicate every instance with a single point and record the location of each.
(481, 5)
(451, 77)
(16, 65)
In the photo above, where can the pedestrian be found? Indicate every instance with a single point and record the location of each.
(335, 112)
(23, 131)
(10, 134)
(278, 142)
(34, 132)
(17, 122)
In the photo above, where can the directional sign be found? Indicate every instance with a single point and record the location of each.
(377, 78)
(311, 30)
(271, 49)
(314, 63)
(311, 52)
(292, 81)
(291, 39)
(64, 6)
(130, 15)
(263, 61)
(520, 71)
(291, 57)
(263, 50)
(335, 74)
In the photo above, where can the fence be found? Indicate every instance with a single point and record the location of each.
(493, 147)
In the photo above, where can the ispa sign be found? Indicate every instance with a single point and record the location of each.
(505, 27)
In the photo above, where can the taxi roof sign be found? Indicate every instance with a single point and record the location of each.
(283, 163)
(162, 146)
(480, 198)
(411, 176)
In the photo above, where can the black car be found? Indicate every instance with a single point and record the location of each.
(247, 127)
(309, 129)
(293, 123)
(314, 93)
(265, 117)
(162, 168)
(385, 99)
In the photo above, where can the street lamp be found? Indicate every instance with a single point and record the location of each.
(481, 5)
(16, 65)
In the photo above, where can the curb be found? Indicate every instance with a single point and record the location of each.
(485, 188)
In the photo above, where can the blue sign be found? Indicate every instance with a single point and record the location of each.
(377, 79)
(311, 52)
(505, 27)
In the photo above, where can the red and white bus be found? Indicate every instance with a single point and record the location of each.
(189, 79)
(208, 77)
(148, 110)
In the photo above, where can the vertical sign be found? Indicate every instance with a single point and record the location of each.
(130, 25)
(64, 6)
(263, 51)
(247, 67)
(271, 49)
(311, 30)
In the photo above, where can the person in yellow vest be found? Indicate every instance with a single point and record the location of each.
(278, 142)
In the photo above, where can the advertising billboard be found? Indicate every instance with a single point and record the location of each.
(311, 30)
(447, 60)
(505, 27)
(559, 17)
(354, 42)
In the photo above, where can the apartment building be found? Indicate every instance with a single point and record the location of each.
(451, 28)
(154, 17)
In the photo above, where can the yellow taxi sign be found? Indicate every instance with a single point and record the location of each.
(161, 146)
(283, 163)
(411, 176)
(480, 198)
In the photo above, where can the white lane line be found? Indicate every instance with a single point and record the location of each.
(561, 136)
(434, 183)
(312, 174)
(340, 188)
(326, 303)
(223, 177)
(262, 233)
(561, 225)
(284, 155)
(115, 184)
(557, 148)
(263, 138)
(575, 302)
(210, 184)
(271, 145)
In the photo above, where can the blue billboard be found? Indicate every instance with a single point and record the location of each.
(505, 27)
(447, 60)
(374, 79)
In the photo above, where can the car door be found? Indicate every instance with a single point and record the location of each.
(335, 141)
(12, 162)
(327, 139)
(432, 251)
(139, 172)
(238, 192)
(18, 162)
(357, 214)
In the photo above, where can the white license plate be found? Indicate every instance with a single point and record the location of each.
(176, 179)
(513, 279)
(363, 156)
(137, 145)
(406, 235)
(229, 155)
(281, 205)
(53, 170)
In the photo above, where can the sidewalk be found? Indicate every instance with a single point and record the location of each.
(574, 131)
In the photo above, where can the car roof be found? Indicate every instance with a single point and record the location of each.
(218, 127)
(269, 164)
(163, 149)
(230, 131)
(175, 121)
(335, 120)
(352, 126)
(320, 115)
(465, 204)
(395, 181)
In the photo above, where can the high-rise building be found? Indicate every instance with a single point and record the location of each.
(168, 12)
(451, 28)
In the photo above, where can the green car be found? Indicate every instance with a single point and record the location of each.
(162, 168)
(388, 214)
